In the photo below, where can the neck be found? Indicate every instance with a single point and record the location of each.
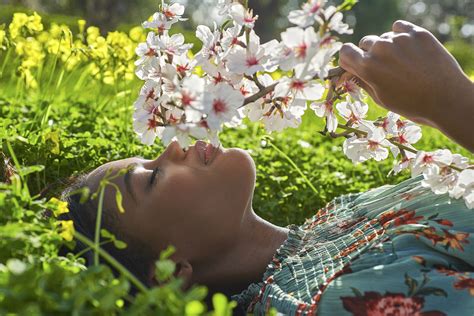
(244, 262)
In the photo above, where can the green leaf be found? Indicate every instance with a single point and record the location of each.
(347, 5)
(118, 199)
(164, 269)
(165, 254)
(106, 234)
(194, 308)
(432, 291)
(31, 169)
(120, 244)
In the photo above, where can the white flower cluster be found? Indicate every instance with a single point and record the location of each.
(232, 77)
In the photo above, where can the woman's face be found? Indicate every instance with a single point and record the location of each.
(193, 205)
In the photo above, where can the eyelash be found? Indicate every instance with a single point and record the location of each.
(153, 176)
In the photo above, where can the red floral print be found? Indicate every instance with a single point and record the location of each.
(455, 240)
(464, 283)
(375, 304)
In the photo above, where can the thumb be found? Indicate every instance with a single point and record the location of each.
(352, 59)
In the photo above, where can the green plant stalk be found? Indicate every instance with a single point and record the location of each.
(292, 163)
(18, 167)
(80, 253)
(54, 65)
(98, 223)
(117, 265)
(7, 57)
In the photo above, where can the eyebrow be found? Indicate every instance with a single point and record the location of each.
(128, 179)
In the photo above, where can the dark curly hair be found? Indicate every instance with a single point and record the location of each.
(137, 257)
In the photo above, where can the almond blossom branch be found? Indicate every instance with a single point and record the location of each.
(333, 73)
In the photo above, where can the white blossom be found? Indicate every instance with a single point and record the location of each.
(183, 133)
(250, 60)
(209, 41)
(353, 112)
(297, 46)
(335, 21)
(464, 187)
(221, 104)
(173, 12)
(307, 15)
(148, 50)
(174, 44)
(362, 149)
(423, 160)
(242, 16)
(326, 109)
(159, 22)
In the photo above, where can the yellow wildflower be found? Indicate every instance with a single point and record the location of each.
(137, 34)
(28, 77)
(61, 206)
(92, 34)
(82, 25)
(32, 24)
(2, 37)
(67, 230)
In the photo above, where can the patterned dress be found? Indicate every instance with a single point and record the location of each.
(394, 250)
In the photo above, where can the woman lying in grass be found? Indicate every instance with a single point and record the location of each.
(394, 250)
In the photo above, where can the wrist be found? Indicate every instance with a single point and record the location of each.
(456, 106)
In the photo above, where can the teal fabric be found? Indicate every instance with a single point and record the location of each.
(394, 250)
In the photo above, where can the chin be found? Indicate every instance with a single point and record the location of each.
(236, 162)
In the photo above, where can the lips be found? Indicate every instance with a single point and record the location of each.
(206, 151)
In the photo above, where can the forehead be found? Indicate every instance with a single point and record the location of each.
(113, 167)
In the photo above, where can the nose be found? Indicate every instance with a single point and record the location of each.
(172, 152)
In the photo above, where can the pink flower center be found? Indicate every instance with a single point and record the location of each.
(301, 50)
(219, 106)
(204, 124)
(152, 124)
(402, 139)
(182, 68)
(400, 124)
(328, 106)
(297, 85)
(373, 145)
(151, 52)
(252, 61)
(186, 99)
(326, 41)
(169, 14)
(427, 159)
(150, 95)
(218, 78)
(244, 91)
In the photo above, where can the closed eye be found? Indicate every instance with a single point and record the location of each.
(152, 180)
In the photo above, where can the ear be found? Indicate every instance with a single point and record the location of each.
(184, 270)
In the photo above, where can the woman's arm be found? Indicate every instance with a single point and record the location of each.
(410, 72)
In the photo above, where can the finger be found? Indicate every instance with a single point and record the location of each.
(387, 35)
(364, 85)
(402, 26)
(368, 41)
(352, 59)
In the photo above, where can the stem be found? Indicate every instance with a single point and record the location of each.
(111, 260)
(292, 163)
(80, 253)
(399, 145)
(98, 224)
(7, 57)
(335, 72)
